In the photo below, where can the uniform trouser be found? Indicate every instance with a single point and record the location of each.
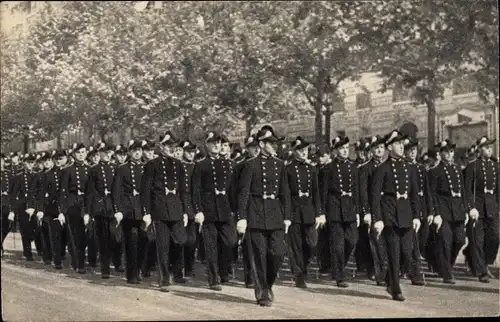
(343, 238)
(450, 240)
(64, 240)
(92, 243)
(150, 257)
(267, 250)
(52, 235)
(76, 236)
(323, 249)
(201, 248)
(27, 226)
(39, 241)
(399, 244)
(362, 252)
(5, 224)
(412, 265)
(135, 243)
(170, 238)
(378, 255)
(479, 256)
(491, 239)
(431, 254)
(302, 239)
(187, 251)
(423, 236)
(247, 267)
(219, 239)
(109, 248)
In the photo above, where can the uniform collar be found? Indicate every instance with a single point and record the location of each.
(341, 160)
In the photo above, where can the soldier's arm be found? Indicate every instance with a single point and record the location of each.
(89, 190)
(285, 197)
(413, 191)
(196, 187)
(315, 193)
(182, 186)
(147, 186)
(464, 199)
(376, 193)
(356, 189)
(63, 190)
(117, 189)
(469, 182)
(363, 190)
(244, 190)
(428, 196)
(433, 182)
(324, 186)
(13, 192)
(42, 188)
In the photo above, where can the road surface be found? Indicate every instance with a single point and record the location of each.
(32, 292)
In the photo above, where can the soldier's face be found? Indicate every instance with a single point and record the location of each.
(81, 154)
(136, 154)
(189, 155)
(61, 161)
(148, 154)
(268, 147)
(486, 151)
(302, 154)
(121, 158)
(324, 158)
(360, 154)
(178, 153)
(379, 151)
(29, 165)
(343, 151)
(397, 148)
(253, 151)
(447, 155)
(214, 147)
(48, 164)
(95, 158)
(15, 160)
(168, 149)
(412, 153)
(104, 156)
(225, 149)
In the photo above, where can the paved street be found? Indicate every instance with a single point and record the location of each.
(31, 292)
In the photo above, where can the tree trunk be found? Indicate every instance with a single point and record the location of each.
(328, 124)
(59, 141)
(26, 143)
(318, 121)
(431, 122)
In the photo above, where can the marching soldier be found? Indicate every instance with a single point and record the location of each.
(394, 208)
(23, 201)
(450, 206)
(426, 214)
(210, 181)
(74, 202)
(148, 151)
(340, 202)
(7, 213)
(120, 155)
(92, 160)
(264, 207)
(377, 255)
(430, 248)
(100, 181)
(482, 180)
(189, 150)
(126, 200)
(160, 196)
(323, 246)
(38, 169)
(305, 211)
(53, 218)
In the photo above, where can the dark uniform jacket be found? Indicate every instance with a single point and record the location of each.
(24, 191)
(424, 192)
(394, 194)
(264, 195)
(73, 190)
(366, 172)
(234, 185)
(482, 187)
(448, 193)
(304, 191)
(6, 187)
(125, 191)
(161, 188)
(100, 183)
(187, 195)
(48, 195)
(340, 191)
(210, 181)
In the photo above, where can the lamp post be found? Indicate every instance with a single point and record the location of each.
(26, 139)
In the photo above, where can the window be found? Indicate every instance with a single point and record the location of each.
(399, 93)
(341, 133)
(464, 85)
(363, 100)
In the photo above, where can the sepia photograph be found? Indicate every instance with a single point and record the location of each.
(249, 160)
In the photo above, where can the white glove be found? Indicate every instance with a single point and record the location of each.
(147, 220)
(379, 226)
(367, 219)
(320, 221)
(438, 221)
(185, 218)
(86, 219)
(416, 224)
(199, 218)
(30, 211)
(241, 226)
(474, 214)
(430, 219)
(118, 217)
(287, 225)
(357, 220)
(61, 219)
(39, 215)
(11, 216)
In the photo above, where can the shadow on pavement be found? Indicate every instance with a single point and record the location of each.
(466, 288)
(345, 291)
(217, 296)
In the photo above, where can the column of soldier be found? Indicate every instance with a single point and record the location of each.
(389, 208)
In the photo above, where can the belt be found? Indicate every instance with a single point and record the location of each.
(397, 195)
(341, 193)
(452, 194)
(266, 196)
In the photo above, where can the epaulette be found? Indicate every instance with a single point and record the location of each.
(362, 164)
(472, 161)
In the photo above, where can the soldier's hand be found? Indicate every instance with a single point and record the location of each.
(61, 219)
(438, 221)
(320, 221)
(185, 219)
(287, 225)
(30, 211)
(416, 224)
(357, 220)
(39, 215)
(118, 217)
(466, 219)
(430, 219)
(474, 214)
(11, 216)
(199, 218)
(241, 226)
(367, 219)
(379, 226)
(86, 220)
(147, 220)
